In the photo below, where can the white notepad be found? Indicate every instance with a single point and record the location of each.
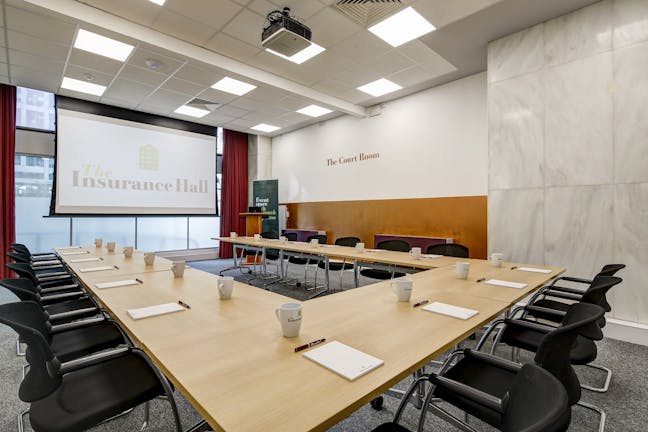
(430, 256)
(451, 310)
(507, 284)
(533, 270)
(375, 250)
(68, 248)
(344, 360)
(75, 253)
(116, 284)
(151, 311)
(94, 269)
(78, 260)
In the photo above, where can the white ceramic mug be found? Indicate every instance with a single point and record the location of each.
(402, 287)
(462, 269)
(177, 267)
(233, 234)
(225, 287)
(314, 242)
(290, 318)
(98, 242)
(128, 251)
(416, 252)
(257, 236)
(496, 259)
(110, 246)
(149, 258)
(283, 239)
(360, 247)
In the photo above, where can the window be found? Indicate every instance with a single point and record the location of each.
(34, 109)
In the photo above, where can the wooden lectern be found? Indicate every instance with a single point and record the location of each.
(253, 225)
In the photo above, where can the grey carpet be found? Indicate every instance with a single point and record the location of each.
(626, 403)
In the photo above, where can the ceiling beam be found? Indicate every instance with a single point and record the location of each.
(99, 18)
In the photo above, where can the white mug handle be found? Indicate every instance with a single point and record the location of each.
(277, 314)
(220, 287)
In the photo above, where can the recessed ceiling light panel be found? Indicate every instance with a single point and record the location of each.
(402, 27)
(379, 87)
(158, 2)
(314, 111)
(306, 54)
(82, 86)
(191, 111)
(102, 45)
(233, 86)
(265, 127)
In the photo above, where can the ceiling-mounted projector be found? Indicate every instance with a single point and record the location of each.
(284, 34)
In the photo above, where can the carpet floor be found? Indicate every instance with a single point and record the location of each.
(626, 402)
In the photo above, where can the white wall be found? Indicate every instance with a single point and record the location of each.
(431, 144)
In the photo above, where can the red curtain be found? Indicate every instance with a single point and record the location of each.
(7, 152)
(234, 190)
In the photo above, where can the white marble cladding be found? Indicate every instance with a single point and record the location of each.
(568, 146)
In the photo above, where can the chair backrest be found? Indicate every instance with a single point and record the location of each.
(554, 351)
(536, 402)
(23, 270)
(19, 257)
(291, 236)
(22, 288)
(18, 247)
(610, 269)
(321, 239)
(44, 376)
(595, 293)
(394, 245)
(270, 235)
(449, 249)
(347, 241)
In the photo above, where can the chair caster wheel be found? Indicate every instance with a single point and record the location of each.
(298, 284)
(377, 403)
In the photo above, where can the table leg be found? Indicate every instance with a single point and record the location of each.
(356, 273)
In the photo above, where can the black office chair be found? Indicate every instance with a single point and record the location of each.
(530, 399)
(557, 348)
(306, 261)
(47, 284)
(41, 265)
(18, 247)
(271, 256)
(340, 265)
(392, 245)
(75, 396)
(449, 249)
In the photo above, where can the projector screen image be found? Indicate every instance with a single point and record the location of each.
(112, 166)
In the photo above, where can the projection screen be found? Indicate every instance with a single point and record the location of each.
(106, 165)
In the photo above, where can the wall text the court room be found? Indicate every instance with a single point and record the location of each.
(360, 157)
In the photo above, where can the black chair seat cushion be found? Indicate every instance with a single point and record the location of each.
(297, 260)
(70, 305)
(335, 265)
(79, 342)
(272, 254)
(379, 274)
(390, 427)
(93, 394)
(487, 378)
(582, 352)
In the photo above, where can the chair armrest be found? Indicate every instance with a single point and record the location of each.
(73, 313)
(530, 325)
(571, 279)
(468, 392)
(544, 310)
(77, 324)
(53, 278)
(567, 290)
(58, 297)
(93, 359)
(493, 360)
(566, 296)
(55, 288)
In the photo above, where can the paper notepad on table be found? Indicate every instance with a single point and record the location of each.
(451, 310)
(376, 250)
(94, 269)
(68, 248)
(503, 283)
(430, 256)
(344, 360)
(116, 284)
(78, 260)
(75, 253)
(533, 270)
(151, 311)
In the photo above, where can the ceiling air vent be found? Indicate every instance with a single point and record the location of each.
(368, 12)
(203, 104)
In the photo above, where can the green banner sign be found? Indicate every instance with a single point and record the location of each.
(265, 194)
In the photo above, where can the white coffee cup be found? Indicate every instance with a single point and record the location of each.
(462, 269)
(314, 242)
(496, 259)
(283, 239)
(128, 251)
(149, 258)
(110, 246)
(290, 318)
(98, 242)
(178, 267)
(233, 234)
(416, 252)
(225, 287)
(360, 247)
(257, 236)
(402, 287)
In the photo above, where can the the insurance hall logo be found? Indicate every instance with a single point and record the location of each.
(148, 157)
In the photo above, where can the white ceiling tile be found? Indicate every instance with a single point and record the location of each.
(246, 104)
(330, 27)
(293, 103)
(302, 10)
(35, 78)
(83, 74)
(146, 76)
(266, 94)
(443, 12)
(420, 53)
(411, 76)
(94, 61)
(129, 104)
(333, 86)
(242, 2)
(263, 7)
(215, 14)
(182, 86)
(358, 75)
(231, 47)
(4, 79)
(40, 47)
(294, 117)
(231, 111)
(183, 28)
(242, 123)
(74, 94)
(196, 74)
(389, 63)
(361, 47)
(19, 58)
(246, 26)
(142, 54)
(218, 96)
(4, 69)
(3, 54)
(128, 90)
(166, 100)
(41, 26)
(2, 37)
(218, 118)
(141, 12)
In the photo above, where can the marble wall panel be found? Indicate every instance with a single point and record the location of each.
(516, 54)
(578, 122)
(630, 22)
(630, 118)
(516, 132)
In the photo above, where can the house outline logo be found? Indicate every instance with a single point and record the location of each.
(148, 157)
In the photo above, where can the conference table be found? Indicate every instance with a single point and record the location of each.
(230, 360)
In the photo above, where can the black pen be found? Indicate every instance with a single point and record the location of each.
(513, 268)
(481, 280)
(309, 344)
(116, 267)
(183, 304)
(421, 303)
(138, 281)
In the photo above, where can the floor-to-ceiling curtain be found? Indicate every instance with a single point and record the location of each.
(234, 190)
(7, 151)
